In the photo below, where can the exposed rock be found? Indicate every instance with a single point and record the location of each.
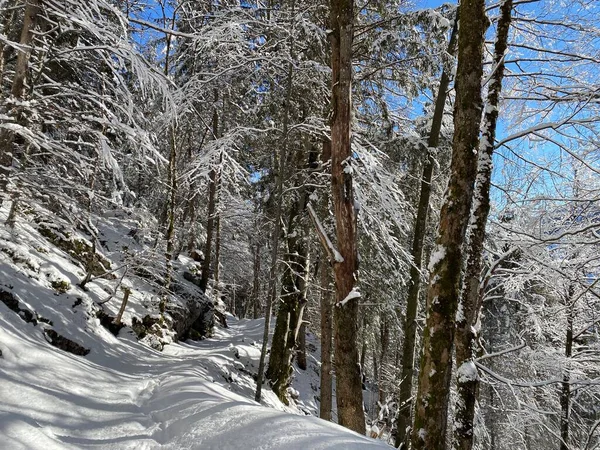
(64, 343)
(108, 322)
(24, 313)
(79, 249)
(197, 255)
(145, 326)
(60, 286)
(192, 312)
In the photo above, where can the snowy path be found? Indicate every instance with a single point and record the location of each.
(127, 396)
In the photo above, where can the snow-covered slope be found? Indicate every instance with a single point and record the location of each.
(124, 394)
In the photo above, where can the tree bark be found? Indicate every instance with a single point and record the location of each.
(326, 343)
(348, 371)
(301, 347)
(431, 406)
(272, 297)
(291, 304)
(7, 30)
(471, 297)
(280, 170)
(565, 394)
(256, 282)
(412, 301)
(210, 223)
(385, 342)
(172, 195)
(30, 20)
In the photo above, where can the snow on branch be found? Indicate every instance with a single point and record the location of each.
(354, 293)
(325, 241)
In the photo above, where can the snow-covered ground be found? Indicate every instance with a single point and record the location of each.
(124, 394)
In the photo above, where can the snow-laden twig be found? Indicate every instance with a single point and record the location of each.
(325, 241)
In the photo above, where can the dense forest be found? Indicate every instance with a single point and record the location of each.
(402, 197)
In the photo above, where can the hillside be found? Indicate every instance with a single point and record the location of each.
(119, 392)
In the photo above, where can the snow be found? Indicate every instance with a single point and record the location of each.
(467, 372)
(436, 257)
(129, 396)
(124, 394)
(354, 293)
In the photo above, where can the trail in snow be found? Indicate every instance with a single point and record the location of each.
(124, 394)
(128, 396)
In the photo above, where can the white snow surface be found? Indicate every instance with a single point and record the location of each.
(126, 395)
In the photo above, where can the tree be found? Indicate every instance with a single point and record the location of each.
(348, 379)
(412, 301)
(471, 295)
(442, 297)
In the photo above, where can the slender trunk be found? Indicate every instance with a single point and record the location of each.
(385, 340)
(565, 394)
(433, 394)
(412, 301)
(272, 297)
(7, 30)
(467, 380)
(280, 170)
(375, 366)
(289, 315)
(210, 223)
(126, 293)
(326, 343)
(30, 20)
(256, 282)
(363, 347)
(218, 245)
(301, 347)
(171, 211)
(292, 302)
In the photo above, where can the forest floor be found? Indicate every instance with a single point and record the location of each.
(124, 394)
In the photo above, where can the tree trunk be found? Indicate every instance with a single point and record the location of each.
(565, 394)
(30, 20)
(256, 282)
(292, 302)
(467, 380)
(433, 394)
(172, 195)
(412, 301)
(218, 245)
(272, 297)
(385, 341)
(280, 170)
(32, 11)
(301, 347)
(210, 224)
(348, 377)
(326, 343)
(7, 30)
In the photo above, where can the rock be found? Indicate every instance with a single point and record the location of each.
(64, 343)
(108, 322)
(197, 255)
(23, 312)
(189, 276)
(191, 313)
(145, 326)
(79, 249)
